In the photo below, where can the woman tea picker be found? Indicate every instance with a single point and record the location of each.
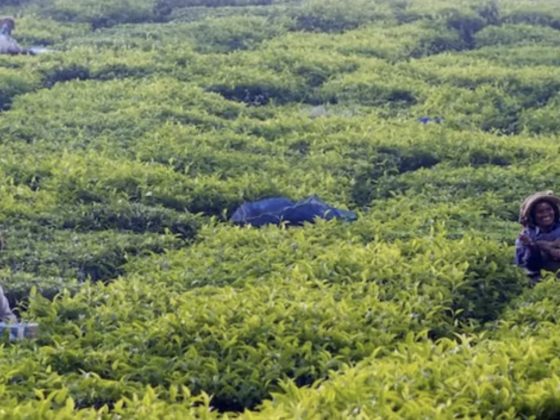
(9, 322)
(538, 245)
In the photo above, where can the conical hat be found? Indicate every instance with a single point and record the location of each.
(530, 202)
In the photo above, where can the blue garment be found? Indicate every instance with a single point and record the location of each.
(17, 331)
(530, 258)
(280, 209)
(427, 120)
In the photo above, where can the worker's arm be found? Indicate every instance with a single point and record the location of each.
(528, 256)
(551, 248)
(6, 313)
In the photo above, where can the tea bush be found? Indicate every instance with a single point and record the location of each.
(506, 379)
(100, 14)
(13, 84)
(125, 150)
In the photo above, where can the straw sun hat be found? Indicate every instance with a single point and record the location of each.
(530, 202)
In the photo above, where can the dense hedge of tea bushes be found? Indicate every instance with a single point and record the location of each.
(124, 152)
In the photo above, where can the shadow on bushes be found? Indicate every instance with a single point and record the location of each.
(135, 217)
(390, 161)
(255, 95)
(100, 13)
(55, 75)
(489, 289)
(533, 17)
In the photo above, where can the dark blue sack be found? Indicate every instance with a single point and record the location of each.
(427, 120)
(279, 209)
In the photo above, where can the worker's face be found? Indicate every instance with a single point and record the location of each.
(544, 214)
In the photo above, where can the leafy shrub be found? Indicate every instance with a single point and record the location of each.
(541, 120)
(371, 89)
(382, 41)
(332, 16)
(252, 329)
(133, 217)
(234, 33)
(514, 34)
(390, 161)
(102, 13)
(525, 12)
(304, 348)
(123, 154)
(60, 103)
(65, 74)
(251, 80)
(520, 56)
(485, 107)
(74, 256)
(14, 83)
(18, 285)
(172, 4)
(490, 378)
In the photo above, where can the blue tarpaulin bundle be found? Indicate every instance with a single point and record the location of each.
(280, 209)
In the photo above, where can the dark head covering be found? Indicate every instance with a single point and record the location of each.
(7, 25)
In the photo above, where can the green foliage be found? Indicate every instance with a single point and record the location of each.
(101, 13)
(99, 98)
(14, 83)
(546, 14)
(482, 379)
(212, 3)
(234, 33)
(515, 34)
(124, 152)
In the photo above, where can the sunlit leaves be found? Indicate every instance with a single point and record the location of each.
(123, 154)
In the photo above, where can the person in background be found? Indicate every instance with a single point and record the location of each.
(6, 314)
(538, 245)
(8, 45)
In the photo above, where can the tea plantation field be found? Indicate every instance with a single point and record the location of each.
(124, 152)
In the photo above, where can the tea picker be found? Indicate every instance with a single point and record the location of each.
(8, 45)
(9, 322)
(538, 245)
